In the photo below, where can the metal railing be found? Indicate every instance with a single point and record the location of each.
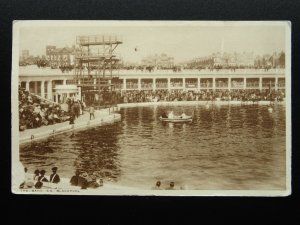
(161, 85)
(147, 85)
(205, 85)
(98, 39)
(222, 85)
(191, 85)
(253, 84)
(43, 99)
(176, 84)
(132, 86)
(97, 55)
(237, 85)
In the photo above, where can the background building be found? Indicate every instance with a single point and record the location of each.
(162, 61)
(238, 60)
(223, 60)
(60, 57)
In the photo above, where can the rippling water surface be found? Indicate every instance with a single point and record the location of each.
(226, 147)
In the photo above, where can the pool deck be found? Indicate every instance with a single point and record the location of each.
(103, 116)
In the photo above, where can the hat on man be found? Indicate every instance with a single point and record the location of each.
(54, 169)
(84, 174)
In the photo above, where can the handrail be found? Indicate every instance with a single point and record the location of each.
(44, 99)
(98, 39)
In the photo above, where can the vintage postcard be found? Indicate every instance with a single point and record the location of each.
(166, 108)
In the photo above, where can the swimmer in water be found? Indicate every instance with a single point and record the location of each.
(157, 186)
(172, 186)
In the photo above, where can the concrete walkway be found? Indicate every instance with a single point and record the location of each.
(102, 116)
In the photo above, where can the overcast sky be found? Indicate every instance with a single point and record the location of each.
(183, 41)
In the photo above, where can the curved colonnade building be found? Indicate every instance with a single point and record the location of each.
(55, 85)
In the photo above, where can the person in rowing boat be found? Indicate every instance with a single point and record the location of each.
(164, 115)
(183, 116)
(171, 115)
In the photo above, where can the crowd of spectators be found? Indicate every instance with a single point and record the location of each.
(150, 69)
(39, 179)
(35, 112)
(203, 95)
(86, 181)
(211, 68)
(227, 67)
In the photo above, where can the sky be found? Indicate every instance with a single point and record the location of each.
(183, 41)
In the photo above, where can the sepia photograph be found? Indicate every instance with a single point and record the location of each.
(159, 108)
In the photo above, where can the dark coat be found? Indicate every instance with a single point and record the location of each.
(82, 182)
(54, 178)
(74, 180)
(43, 179)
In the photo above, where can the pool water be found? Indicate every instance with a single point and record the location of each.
(229, 147)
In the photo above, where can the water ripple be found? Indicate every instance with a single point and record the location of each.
(226, 147)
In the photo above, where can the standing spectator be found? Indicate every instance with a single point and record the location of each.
(92, 111)
(72, 117)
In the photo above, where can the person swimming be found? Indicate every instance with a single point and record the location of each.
(157, 186)
(171, 187)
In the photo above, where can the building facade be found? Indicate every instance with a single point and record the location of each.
(224, 60)
(162, 61)
(60, 57)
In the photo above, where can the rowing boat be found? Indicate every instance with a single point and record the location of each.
(177, 119)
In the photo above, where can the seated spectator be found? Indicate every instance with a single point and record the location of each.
(93, 183)
(83, 180)
(74, 179)
(34, 112)
(42, 177)
(36, 175)
(28, 183)
(54, 177)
